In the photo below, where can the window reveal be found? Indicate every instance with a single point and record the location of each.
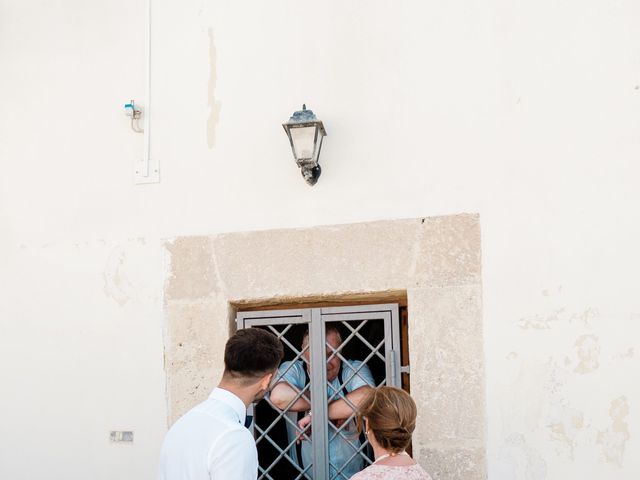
(333, 354)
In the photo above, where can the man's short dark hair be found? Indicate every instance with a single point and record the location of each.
(252, 353)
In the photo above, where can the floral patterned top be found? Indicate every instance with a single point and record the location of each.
(387, 472)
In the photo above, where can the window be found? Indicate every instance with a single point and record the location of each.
(330, 353)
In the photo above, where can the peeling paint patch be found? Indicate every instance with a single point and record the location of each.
(629, 353)
(548, 320)
(214, 105)
(587, 317)
(588, 351)
(540, 322)
(116, 285)
(614, 438)
(564, 426)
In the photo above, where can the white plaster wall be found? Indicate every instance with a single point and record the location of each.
(526, 112)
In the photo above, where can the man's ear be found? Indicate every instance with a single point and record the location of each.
(266, 381)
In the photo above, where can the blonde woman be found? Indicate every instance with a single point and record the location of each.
(389, 416)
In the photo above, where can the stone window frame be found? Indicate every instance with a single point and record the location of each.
(434, 261)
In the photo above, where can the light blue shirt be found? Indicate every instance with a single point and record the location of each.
(340, 448)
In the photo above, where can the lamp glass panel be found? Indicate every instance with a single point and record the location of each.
(318, 145)
(303, 141)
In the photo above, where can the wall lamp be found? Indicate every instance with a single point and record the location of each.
(305, 134)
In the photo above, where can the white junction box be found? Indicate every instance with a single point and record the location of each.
(121, 436)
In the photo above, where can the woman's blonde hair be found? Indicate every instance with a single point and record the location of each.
(391, 416)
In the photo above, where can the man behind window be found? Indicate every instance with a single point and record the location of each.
(293, 380)
(211, 442)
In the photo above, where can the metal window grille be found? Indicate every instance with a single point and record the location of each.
(370, 348)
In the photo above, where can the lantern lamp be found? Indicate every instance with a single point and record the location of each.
(305, 134)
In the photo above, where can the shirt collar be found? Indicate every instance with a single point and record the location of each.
(232, 400)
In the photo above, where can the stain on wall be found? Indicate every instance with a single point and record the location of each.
(214, 105)
(116, 284)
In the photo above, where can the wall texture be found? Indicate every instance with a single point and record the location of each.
(525, 112)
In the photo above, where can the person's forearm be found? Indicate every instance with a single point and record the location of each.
(301, 405)
(283, 394)
(340, 409)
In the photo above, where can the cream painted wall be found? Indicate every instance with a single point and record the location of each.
(525, 112)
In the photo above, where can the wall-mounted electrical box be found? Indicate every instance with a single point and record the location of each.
(119, 436)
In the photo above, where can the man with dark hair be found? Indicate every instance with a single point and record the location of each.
(211, 442)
